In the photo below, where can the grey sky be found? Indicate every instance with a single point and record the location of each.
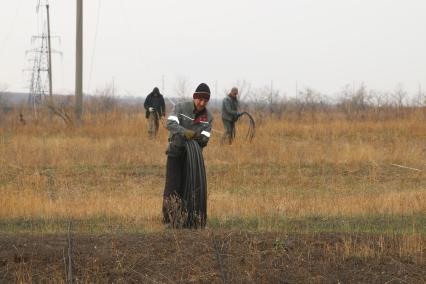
(321, 44)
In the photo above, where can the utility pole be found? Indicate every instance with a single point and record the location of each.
(79, 62)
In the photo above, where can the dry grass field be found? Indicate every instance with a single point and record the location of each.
(327, 174)
(352, 189)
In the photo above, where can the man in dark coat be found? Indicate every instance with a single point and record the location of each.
(188, 120)
(155, 109)
(230, 115)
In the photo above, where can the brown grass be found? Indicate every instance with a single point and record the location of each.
(294, 169)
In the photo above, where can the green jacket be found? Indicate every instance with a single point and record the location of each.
(183, 117)
(229, 108)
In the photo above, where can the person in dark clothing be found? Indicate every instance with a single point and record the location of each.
(230, 115)
(188, 120)
(155, 109)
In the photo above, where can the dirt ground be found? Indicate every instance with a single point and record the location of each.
(212, 257)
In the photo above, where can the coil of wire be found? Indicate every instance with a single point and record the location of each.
(195, 187)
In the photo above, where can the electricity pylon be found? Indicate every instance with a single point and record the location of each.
(41, 72)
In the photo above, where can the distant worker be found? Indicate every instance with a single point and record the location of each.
(230, 115)
(155, 109)
(21, 119)
(188, 120)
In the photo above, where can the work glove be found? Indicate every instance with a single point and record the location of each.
(189, 134)
(151, 109)
(201, 139)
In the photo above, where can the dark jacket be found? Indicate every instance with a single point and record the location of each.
(230, 108)
(184, 116)
(155, 100)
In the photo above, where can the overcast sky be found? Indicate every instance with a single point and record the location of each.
(323, 44)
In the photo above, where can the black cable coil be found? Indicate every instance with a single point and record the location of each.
(195, 187)
(252, 127)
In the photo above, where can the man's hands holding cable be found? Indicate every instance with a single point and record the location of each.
(194, 135)
(237, 116)
(191, 134)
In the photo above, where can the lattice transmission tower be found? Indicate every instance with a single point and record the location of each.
(40, 81)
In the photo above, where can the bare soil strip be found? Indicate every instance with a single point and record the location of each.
(215, 257)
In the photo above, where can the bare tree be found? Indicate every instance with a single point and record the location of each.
(182, 88)
(273, 100)
(267, 100)
(3, 88)
(378, 99)
(400, 99)
(355, 103)
(106, 100)
(62, 106)
(255, 101)
(310, 101)
(400, 95)
(420, 98)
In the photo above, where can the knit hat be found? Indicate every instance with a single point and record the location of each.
(202, 92)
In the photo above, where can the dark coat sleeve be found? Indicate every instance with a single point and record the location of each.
(148, 102)
(173, 123)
